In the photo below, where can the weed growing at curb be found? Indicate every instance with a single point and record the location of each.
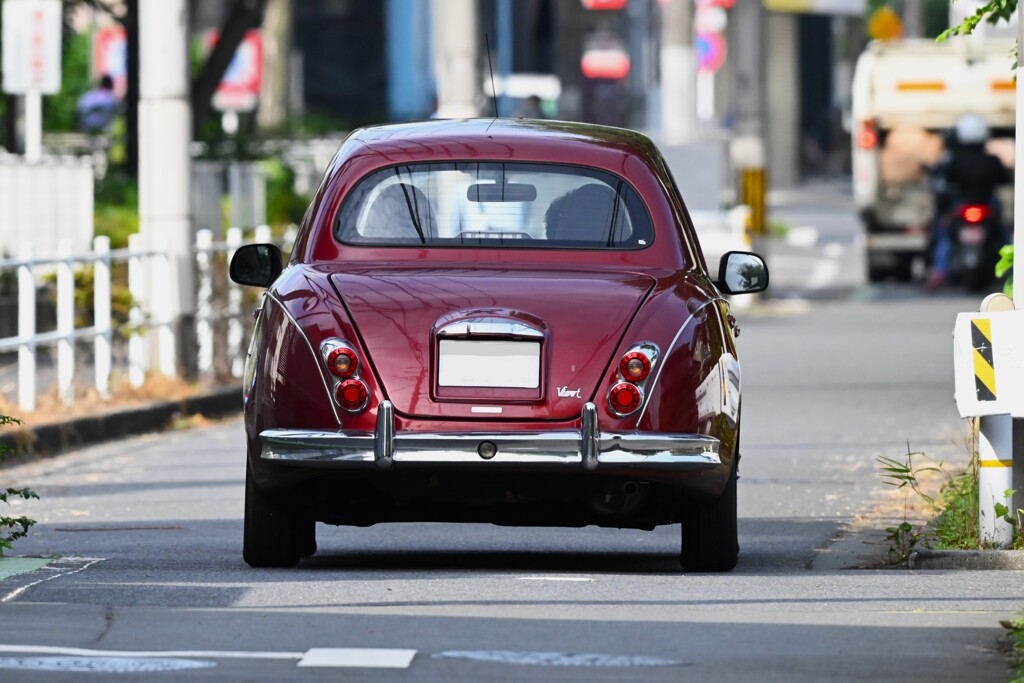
(953, 523)
(1015, 632)
(13, 528)
(904, 474)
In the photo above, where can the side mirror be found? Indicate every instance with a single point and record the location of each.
(741, 272)
(256, 264)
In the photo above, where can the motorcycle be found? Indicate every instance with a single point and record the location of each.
(977, 235)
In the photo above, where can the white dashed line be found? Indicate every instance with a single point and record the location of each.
(367, 658)
(580, 579)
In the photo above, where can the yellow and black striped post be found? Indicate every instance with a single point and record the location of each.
(752, 193)
(984, 365)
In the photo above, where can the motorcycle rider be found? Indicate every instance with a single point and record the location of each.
(971, 175)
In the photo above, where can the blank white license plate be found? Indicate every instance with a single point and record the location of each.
(505, 364)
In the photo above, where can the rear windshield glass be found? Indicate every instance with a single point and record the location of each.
(510, 205)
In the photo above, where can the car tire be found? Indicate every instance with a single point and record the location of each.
(277, 532)
(710, 542)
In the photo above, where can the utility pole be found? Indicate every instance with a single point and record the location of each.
(913, 18)
(165, 168)
(454, 27)
(678, 73)
(748, 145)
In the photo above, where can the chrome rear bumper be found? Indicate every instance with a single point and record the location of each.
(588, 448)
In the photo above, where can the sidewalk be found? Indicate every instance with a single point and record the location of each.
(816, 250)
(56, 438)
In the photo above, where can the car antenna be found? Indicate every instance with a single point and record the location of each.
(494, 93)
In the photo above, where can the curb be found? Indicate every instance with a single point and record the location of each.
(53, 439)
(967, 559)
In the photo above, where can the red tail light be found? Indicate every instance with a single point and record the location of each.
(867, 138)
(975, 213)
(351, 395)
(624, 398)
(342, 362)
(635, 366)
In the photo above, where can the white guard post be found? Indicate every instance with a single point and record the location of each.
(988, 359)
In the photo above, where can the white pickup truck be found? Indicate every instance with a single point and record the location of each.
(906, 95)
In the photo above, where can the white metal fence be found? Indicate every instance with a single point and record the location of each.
(221, 320)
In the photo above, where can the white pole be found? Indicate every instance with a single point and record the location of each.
(678, 72)
(102, 318)
(163, 311)
(995, 478)
(138, 341)
(66, 322)
(454, 31)
(1018, 188)
(33, 126)
(204, 302)
(235, 334)
(165, 170)
(26, 330)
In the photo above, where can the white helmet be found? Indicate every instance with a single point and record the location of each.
(971, 129)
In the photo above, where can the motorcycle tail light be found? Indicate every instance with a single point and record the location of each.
(975, 213)
(351, 395)
(635, 366)
(867, 138)
(624, 398)
(342, 362)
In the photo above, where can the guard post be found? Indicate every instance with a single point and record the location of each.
(987, 366)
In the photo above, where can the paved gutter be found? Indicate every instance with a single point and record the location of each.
(56, 438)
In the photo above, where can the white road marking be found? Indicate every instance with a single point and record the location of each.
(367, 658)
(556, 658)
(112, 665)
(370, 658)
(211, 654)
(56, 567)
(554, 578)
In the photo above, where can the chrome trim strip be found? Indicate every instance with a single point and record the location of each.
(680, 452)
(668, 351)
(384, 442)
(489, 326)
(590, 436)
(316, 357)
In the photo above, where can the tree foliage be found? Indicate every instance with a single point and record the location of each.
(12, 528)
(992, 11)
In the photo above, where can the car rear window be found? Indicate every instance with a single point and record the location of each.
(492, 204)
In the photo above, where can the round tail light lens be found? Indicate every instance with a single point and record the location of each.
(635, 366)
(624, 398)
(351, 394)
(342, 362)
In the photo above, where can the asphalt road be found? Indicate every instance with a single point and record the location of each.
(149, 532)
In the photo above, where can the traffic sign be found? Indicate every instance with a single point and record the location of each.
(239, 90)
(31, 46)
(710, 51)
(110, 57)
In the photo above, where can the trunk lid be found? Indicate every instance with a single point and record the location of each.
(405, 315)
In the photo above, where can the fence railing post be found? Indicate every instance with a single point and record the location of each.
(163, 314)
(26, 329)
(66, 321)
(235, 327)
(138, 346)
(263, 234)
(204, 301)
(102, 319)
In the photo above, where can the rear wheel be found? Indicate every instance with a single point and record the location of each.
(710, 542)
(277, 529)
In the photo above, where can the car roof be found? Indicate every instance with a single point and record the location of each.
(505, 138)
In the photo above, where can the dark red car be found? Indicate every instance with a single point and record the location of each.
(504, 321)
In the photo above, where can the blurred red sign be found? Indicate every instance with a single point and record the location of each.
(605, 63)
(604, 4)
(239, 90)
(110, 57)
(710, 51)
